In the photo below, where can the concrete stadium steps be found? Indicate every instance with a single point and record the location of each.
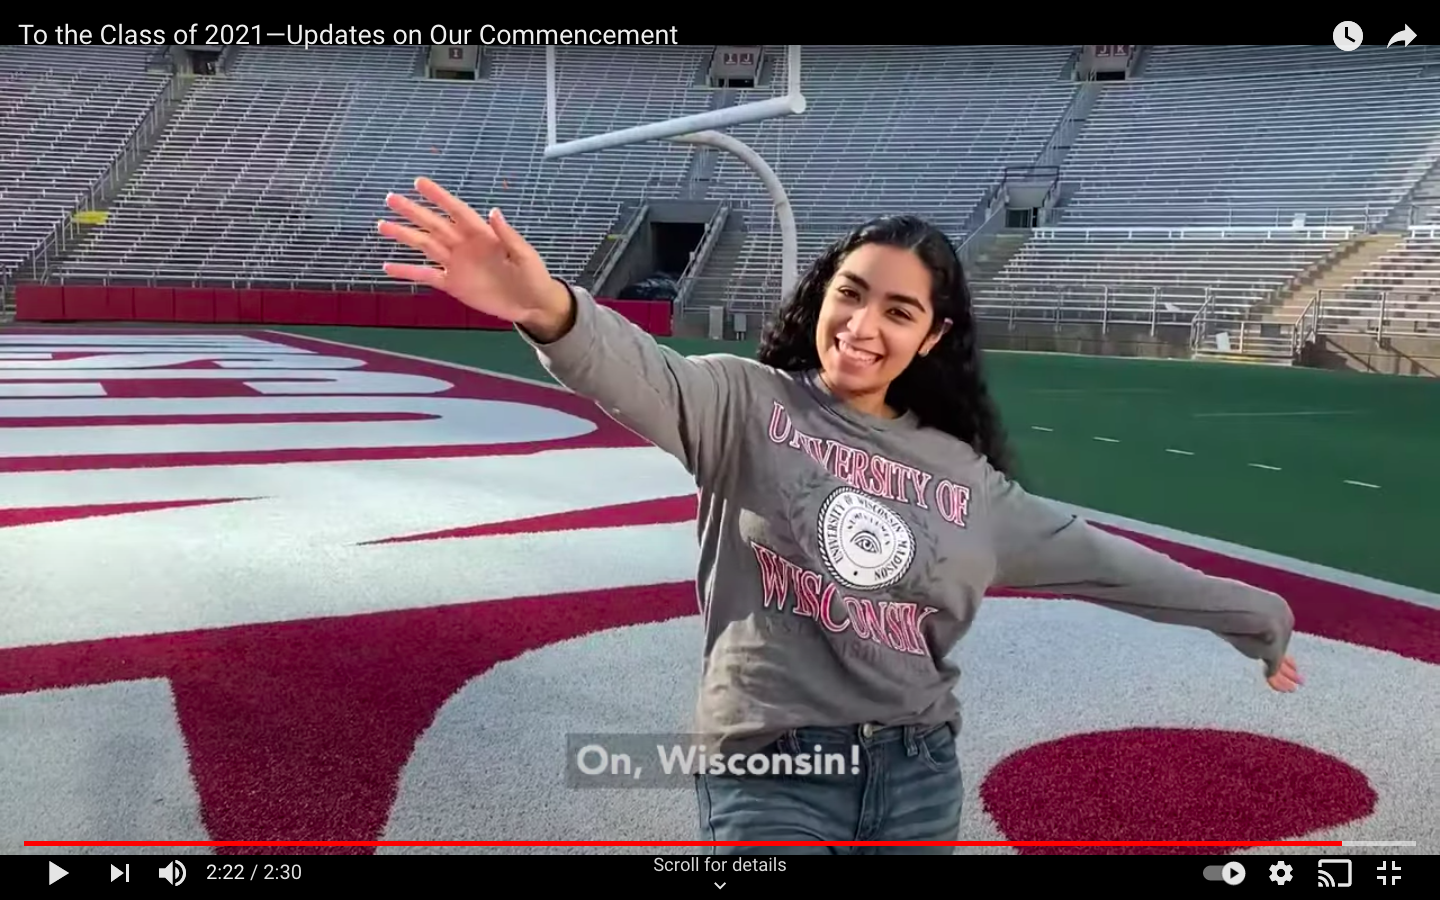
(993, 256)
(1426, 197)
(1411, 266)
(1422, 207)
(1398, 294)
(1333, 274)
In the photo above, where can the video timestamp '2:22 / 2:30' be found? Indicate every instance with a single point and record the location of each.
(252, 872)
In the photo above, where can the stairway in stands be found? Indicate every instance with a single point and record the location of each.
(127, 163)
(1266, 334)
(1330, 276)
(994, 255)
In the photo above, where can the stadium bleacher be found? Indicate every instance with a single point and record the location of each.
(1148, 274)
(329, 63)
(278, 177)
(1188, 187)
(1400, 290)
(872, 143)
(1258, 150)
(1212, 179)
(1171, 61)
(63, 128)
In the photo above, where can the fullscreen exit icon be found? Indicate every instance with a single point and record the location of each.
(1393, 869)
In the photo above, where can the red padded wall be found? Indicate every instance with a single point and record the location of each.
(39, 302)
(231, 306)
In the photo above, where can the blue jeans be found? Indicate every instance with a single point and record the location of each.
(908, 789)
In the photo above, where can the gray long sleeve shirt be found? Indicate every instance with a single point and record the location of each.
(843, 556)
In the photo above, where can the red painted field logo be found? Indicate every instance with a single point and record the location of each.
(259, 587)
(113, 400)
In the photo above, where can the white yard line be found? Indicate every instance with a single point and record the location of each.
(1262, 415)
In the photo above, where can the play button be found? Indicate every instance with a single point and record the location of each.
(1233, 873)
(56, 873)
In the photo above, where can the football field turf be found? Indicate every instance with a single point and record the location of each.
(1336, 468)
(366, 586)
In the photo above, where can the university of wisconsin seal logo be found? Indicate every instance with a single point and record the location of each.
(865, 545)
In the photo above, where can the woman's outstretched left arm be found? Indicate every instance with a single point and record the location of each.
(1038, 545)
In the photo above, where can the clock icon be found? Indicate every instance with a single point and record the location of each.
(1348, 36)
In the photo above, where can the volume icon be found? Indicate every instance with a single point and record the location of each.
(174, 873)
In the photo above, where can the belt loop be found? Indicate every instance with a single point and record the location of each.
(790, 743)
(912, 747)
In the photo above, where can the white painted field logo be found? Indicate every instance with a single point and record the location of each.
(864, 544)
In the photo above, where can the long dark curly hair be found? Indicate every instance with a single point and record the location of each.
(945, 388)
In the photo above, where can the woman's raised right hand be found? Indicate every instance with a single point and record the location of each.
(486, 265)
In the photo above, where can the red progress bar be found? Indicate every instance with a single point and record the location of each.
(684, 844)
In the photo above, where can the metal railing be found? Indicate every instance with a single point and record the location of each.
(1186, 232)
(1106, 305)
(1306, 327)
(1062, 137)
(1378, 313)
(1167, 213)
(1198, 324)
(615, 249)
(752, 295)
(978, 236)
(714, 230)
(1201, 309)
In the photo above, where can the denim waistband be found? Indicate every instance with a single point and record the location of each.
(803, 740)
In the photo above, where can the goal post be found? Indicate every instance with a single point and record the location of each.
(702, 129)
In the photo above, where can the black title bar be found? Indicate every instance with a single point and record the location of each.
(691, 27)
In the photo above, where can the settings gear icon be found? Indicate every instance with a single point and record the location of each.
(1280, 873)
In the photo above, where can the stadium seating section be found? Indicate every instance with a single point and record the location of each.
(1213, 177)
(62, 128)
(878, 137)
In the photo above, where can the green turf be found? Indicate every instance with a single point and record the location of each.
(497, 351)
(1379, 430)
(1384, 431)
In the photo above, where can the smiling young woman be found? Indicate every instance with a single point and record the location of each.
(856, 503)
(875, 320)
